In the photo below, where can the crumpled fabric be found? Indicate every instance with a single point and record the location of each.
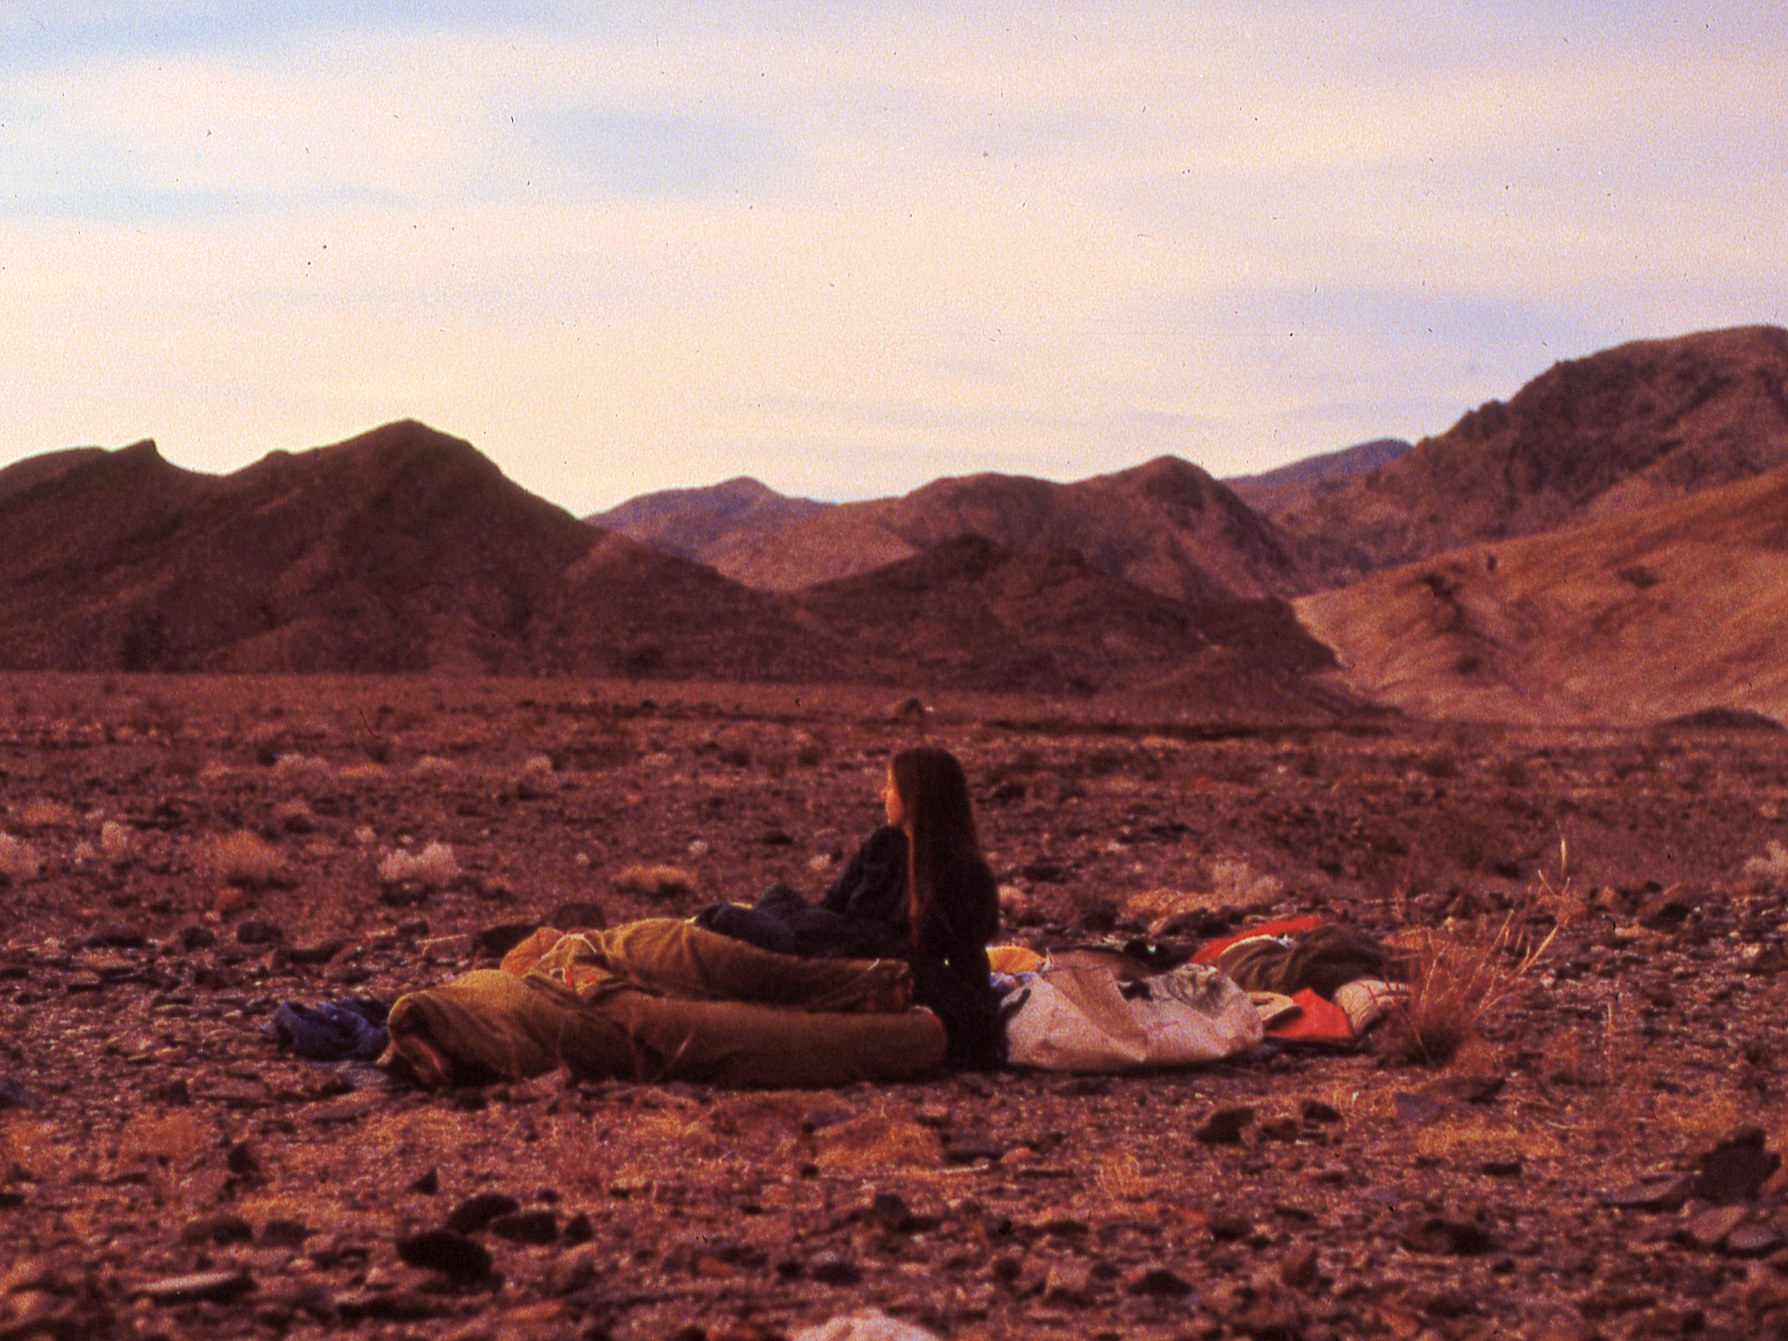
(352, 1030)
(870, 1324)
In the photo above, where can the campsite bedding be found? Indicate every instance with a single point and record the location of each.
(663, 999)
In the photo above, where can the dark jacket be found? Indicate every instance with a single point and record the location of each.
(864, 916)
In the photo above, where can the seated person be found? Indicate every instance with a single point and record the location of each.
(917, 890)
(667, 999)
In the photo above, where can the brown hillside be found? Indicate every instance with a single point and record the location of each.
(1631, 619)
(1166, 526)
(691, 523)
(1631, 426)
(33, 471)
(406, 550)
(972, 614)
(401, 549)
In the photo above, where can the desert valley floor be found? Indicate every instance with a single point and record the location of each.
(183, 854)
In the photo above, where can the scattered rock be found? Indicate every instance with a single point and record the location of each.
(1709, 1229)
(1753, 1240)
(476, 1212)
(537, 1227)
(1654, 1194)
(1440, 1235)
(1068, 1283)
(451, 1254)
(835, 1270)
(1736, 1169)
(1224, 1126)
(1160, 1283)
(218, 1287)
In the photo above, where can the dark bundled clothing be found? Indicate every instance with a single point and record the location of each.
(352, 1030)
(864, 916)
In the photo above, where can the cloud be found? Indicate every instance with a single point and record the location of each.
(665, 247)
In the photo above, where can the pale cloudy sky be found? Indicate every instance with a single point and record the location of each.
(850, 247)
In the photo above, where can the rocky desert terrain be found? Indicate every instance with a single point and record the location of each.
(1598, 1158)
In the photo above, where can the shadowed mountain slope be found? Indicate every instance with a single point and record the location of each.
(401, 549)
(1656, 613)
(976, 615)
(690, 523)
(406, 550)
(25, 475)
(1292, 487)
(1628, 427)
(1165, 526)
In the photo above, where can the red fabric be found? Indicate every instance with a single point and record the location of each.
(1207, 954)
(1318, 1021)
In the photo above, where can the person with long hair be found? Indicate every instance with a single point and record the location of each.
(918, 889)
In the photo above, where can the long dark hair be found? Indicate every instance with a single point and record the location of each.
(954, 899)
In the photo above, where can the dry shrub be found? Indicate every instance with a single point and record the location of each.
(659, 883)
(1462, 973)
(877, 1142)
(1772, 865)
(1120, 1177)
(240, 858)
(433, 868)
(1459, 976)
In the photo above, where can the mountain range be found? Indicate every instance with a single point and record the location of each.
(1554, 557)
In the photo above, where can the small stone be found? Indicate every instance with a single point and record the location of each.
(1299, 1271)
(1315, 1110)
(427, 1183)
(1654, 1194)
(1282, 1128)
(1224, 1126)
(835, 1270)
(219, 1287)
(1457, 1238)
(1709, 1229)
(281, 1233)
(220, 1228)
(1068, 1283)
(476, 1212)
(255, 932)
(1753, 1241)
(453, 1255)
(1736, 1169)
(1501, 1168)
(889, 1209)
(1160, 1283)
(315, 953)
(537, 1227)
(1417, 1109)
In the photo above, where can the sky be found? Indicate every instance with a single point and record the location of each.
(850, 247)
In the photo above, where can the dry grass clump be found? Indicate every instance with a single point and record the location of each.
(43, 813)
(240, 857)
(432, 868)
(116, 840)
(1772, 865)
(659, 883)
(18, 860)
(1459, 976)
(1462, 973)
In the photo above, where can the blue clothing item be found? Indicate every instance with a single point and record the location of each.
(350, 1031)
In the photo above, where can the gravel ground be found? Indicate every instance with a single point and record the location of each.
(1599, 1158)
